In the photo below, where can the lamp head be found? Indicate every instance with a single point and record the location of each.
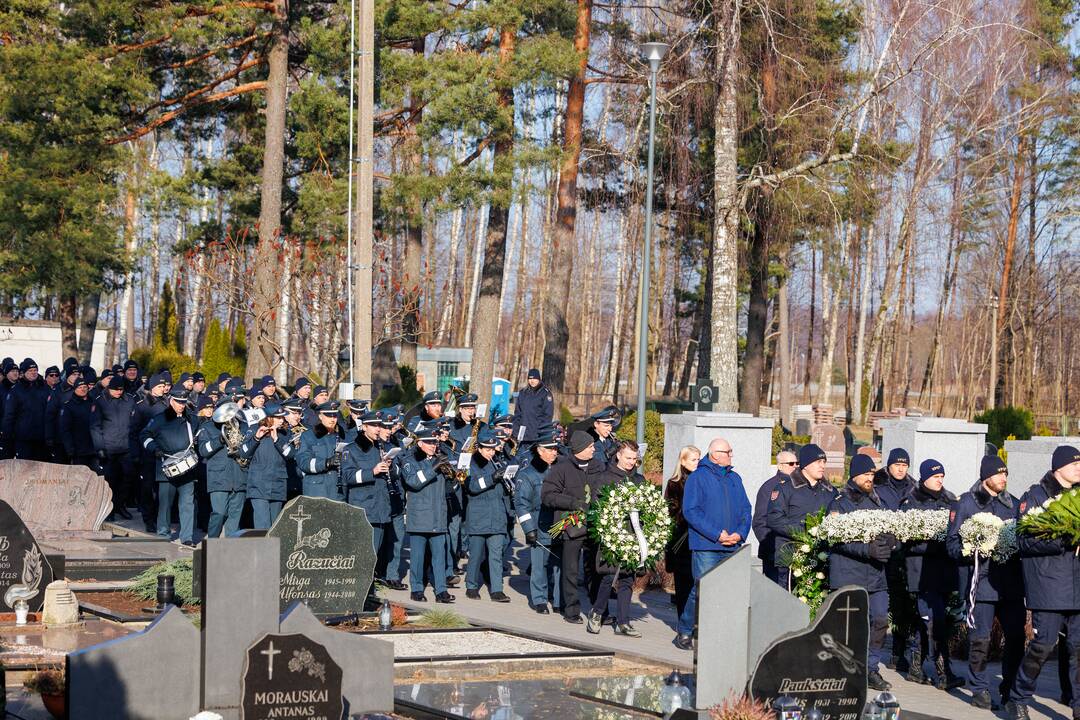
(654, 52)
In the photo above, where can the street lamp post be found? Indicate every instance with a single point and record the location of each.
(653, 52)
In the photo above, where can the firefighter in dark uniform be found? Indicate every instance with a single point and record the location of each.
(152, 403)
(931, 578)
(901, 607)
(170, 438)
(426, 521)
(485, 518)
(24, 414)
(226, 476)
(365, 476)
(534, 521)
(534, 410)
(863, 563)
(318, 457)
(294, 426)
(804, 493)
(268, 475)
(395, 544)
(10, 372)
(74, 421)
(59, 394)
(1052, 580)
(603, 433)
(110, 427)
(999, 586)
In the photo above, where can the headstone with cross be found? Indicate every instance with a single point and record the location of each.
(172, 670)
(304, 682)
(824, 665)
(730, 635)
(703, 393)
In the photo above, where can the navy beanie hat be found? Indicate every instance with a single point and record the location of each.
(861, 464)
(898, 455)
(810, 453)
(991, 465)
(929, 468)
(1064, 455)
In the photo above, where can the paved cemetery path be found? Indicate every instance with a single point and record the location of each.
(653, 614)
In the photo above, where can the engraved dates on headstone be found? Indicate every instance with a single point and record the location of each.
(327, 555)
(24, 571)
(291, 676)
(823, 666)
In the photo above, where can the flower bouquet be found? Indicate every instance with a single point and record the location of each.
(986, 535)
(1056, 519)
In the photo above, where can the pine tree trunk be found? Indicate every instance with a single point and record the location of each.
(489, 301)
(67, 314)
(757, 310)
(262, 356)
(88, 319)
(556, 329)
(783, 344)
(410, 296)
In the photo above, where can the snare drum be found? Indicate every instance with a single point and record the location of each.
(176, 465)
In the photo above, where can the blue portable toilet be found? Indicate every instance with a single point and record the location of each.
(500, 397)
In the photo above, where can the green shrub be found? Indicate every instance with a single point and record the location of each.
(442, 619)
(404, 393)
(654, 436)
(145, 583)
(152, 359)
(566, 418)
(1003, 422)
(219, 353)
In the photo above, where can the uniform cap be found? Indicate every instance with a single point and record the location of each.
(547, 440)
(274, 409)
(433, 397)
(486, 438)
(294, 404)
(607, 415)
(370, 418)
(357, 406)
(179, 392)
(330, 407)
(468, 399)
(425, 431)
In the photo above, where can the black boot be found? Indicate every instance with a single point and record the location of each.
(983, 701)
(915, 672)
(946, 678)
(876, 682)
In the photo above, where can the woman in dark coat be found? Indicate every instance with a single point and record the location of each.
(677, 555)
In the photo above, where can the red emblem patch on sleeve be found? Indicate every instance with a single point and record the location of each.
(1023, 506)
(775, 494)
(952, 515)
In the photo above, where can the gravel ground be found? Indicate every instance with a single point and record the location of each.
(456, 644)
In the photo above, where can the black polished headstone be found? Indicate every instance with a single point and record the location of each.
(291, 676)
(823, 666)
(24, 571)
(327, 555)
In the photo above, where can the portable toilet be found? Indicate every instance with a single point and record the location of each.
(500, 397)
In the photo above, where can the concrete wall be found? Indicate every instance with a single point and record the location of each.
(1029, 460)
(41, 341)
(750, 438)
(957, 444)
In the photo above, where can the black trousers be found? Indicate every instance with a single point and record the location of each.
(624, 589)
(569, 550)
(120, 474)
(32, 450)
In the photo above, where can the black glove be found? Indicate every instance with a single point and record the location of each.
(531, 538)
(880, 550)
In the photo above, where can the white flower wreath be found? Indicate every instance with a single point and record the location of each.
(611, 523)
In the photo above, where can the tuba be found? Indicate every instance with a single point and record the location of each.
(227, 415)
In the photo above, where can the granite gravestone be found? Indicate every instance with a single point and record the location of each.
(56, 501)
(830, 439)
(823, 666)
(291, 676)
(327, 555)
(24, 571)
(740, 612)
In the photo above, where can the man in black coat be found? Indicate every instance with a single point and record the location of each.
(566, 490)
(10, 372)
(110, 427)
(74, 422)
(785, 465)
(150, 405)
(59, 394)
(931, 577)
(1052, 580)
(533, 410)
(24, 414)
(999, 586)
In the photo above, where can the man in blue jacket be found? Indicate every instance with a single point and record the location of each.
(1052, 580)
(718, 514)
